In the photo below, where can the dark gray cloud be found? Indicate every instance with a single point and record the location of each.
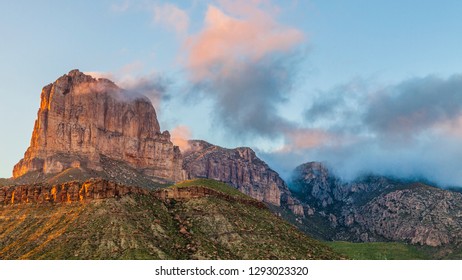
(414, 106)
(340, 108)
(154, 87)
(410, 129)
(402, 110)
(247, 95)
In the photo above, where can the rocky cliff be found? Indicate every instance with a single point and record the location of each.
(67, 192)
(417, 214)
(82, 119)
(240, 168)
(374, 208)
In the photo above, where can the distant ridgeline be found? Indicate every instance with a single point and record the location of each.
(377, 208)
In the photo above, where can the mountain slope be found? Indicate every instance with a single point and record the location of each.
(377, 208)
(216, 222)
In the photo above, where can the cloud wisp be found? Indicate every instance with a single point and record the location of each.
(171, 16)
(180, 136)
(153, 86)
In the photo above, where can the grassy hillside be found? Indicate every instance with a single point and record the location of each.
(212, 184)
(144, 227)
(381, 251)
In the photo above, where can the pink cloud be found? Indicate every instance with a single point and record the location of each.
(99, 75)
(180, 136)
(449, 128)
(226, 40)
(299, 139)
(302, 139)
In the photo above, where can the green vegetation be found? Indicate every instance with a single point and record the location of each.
(144, 227)
(212, 184)
(381, 251)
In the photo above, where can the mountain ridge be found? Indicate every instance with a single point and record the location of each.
(213, 221)
(377, 208)
(241, 168)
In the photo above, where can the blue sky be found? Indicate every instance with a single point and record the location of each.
(365, 86)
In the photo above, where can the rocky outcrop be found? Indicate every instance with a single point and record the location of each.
(240, 168)
(193, 192)
(314, 183)
(81, 118)
(374, 208)
(418, 214)
(67, 192)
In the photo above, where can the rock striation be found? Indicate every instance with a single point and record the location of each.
(67, 192)
(377, 208)
(242, 169)
(81, 119)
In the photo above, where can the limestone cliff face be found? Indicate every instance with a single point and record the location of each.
(240, 168)
(81, 118)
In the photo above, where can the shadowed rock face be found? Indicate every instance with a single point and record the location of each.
(240, 168)
(81, 118)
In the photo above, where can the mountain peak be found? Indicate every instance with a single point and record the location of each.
(82, 118)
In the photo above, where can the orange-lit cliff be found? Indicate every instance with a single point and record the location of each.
(82, 119)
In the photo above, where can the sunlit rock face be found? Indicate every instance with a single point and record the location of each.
(242, 169)
(81, 118)
(67, 192)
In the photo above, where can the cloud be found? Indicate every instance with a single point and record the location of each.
(226, 40)
(305, 138)
(171, 16)
(415, 106)
(99, 75)
(246, 63)
(152, 85)
(180, 136)
(409, 129)
(340, 108)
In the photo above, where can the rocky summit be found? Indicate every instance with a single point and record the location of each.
(82, 119)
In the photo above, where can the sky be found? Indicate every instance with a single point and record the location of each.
(363, 86)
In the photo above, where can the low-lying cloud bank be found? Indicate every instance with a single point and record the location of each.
(412, 129)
